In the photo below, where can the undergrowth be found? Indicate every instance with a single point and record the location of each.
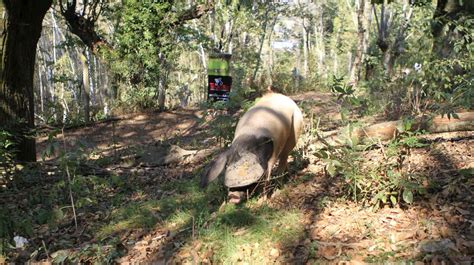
(378, 183)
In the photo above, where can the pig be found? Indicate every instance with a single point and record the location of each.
(267, 132)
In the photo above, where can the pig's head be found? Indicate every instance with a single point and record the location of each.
(245, 162)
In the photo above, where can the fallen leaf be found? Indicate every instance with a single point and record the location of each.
(445, 231)
(329, 252)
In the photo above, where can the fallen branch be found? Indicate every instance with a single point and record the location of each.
(388, 130)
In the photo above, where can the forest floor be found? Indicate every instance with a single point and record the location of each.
(134, 182)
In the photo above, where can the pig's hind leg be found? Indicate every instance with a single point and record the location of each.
(283, 157)
(283, 161)
(296, 127)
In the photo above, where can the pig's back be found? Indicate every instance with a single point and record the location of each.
(271, 116)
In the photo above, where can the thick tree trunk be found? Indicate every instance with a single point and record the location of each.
(445, 10)
(22, 32)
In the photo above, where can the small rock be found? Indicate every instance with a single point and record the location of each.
(20, 241)
(274, 252)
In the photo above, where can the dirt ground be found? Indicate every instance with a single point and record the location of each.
(436, 228)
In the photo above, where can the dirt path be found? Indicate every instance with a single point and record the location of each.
(132, 131)
(439, 226)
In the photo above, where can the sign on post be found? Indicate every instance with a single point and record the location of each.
(219, 80)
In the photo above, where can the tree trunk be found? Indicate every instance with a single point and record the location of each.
(304, 32)
(320, 46)
(21, 35)
(162, 82)
(445, 9)
(391, 51)
(264, 31)
(86, 86)
(383, 27)
(335, 55)
(356, 67)
(270, 51)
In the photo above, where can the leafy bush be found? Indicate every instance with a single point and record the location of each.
(139, 98)
(375, 184)
(349, 98)
(7, 147)
(222, 123)
(7, 154)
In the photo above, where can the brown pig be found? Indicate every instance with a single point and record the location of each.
(267, 132)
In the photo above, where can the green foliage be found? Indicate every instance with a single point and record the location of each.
(434, 74)
(224, 115)
(347, 96)
(140, 98)
(7, 150)
(377, 184)
(343, 91)
(145, 40)
(222, 123)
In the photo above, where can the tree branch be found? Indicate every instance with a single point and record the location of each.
(194, 12)
(83, 25)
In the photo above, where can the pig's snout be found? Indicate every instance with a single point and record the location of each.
(236, 197)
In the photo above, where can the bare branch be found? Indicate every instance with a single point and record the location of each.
(194, 12)
(85, 4)
(83, 25)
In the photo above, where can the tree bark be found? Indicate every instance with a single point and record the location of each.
(162, 82)
(385, 131)
(356, 67)
(82, 24)
(86, 86)
(264, 31)
(305, 34)
(21, 35)
(388, 130)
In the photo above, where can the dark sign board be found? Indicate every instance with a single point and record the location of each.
(219, 87)
(219, 79)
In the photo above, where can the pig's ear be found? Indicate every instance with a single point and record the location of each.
(214, 169)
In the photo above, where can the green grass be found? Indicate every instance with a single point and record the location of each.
(131, 216)
(117, 205)
(246, 234)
